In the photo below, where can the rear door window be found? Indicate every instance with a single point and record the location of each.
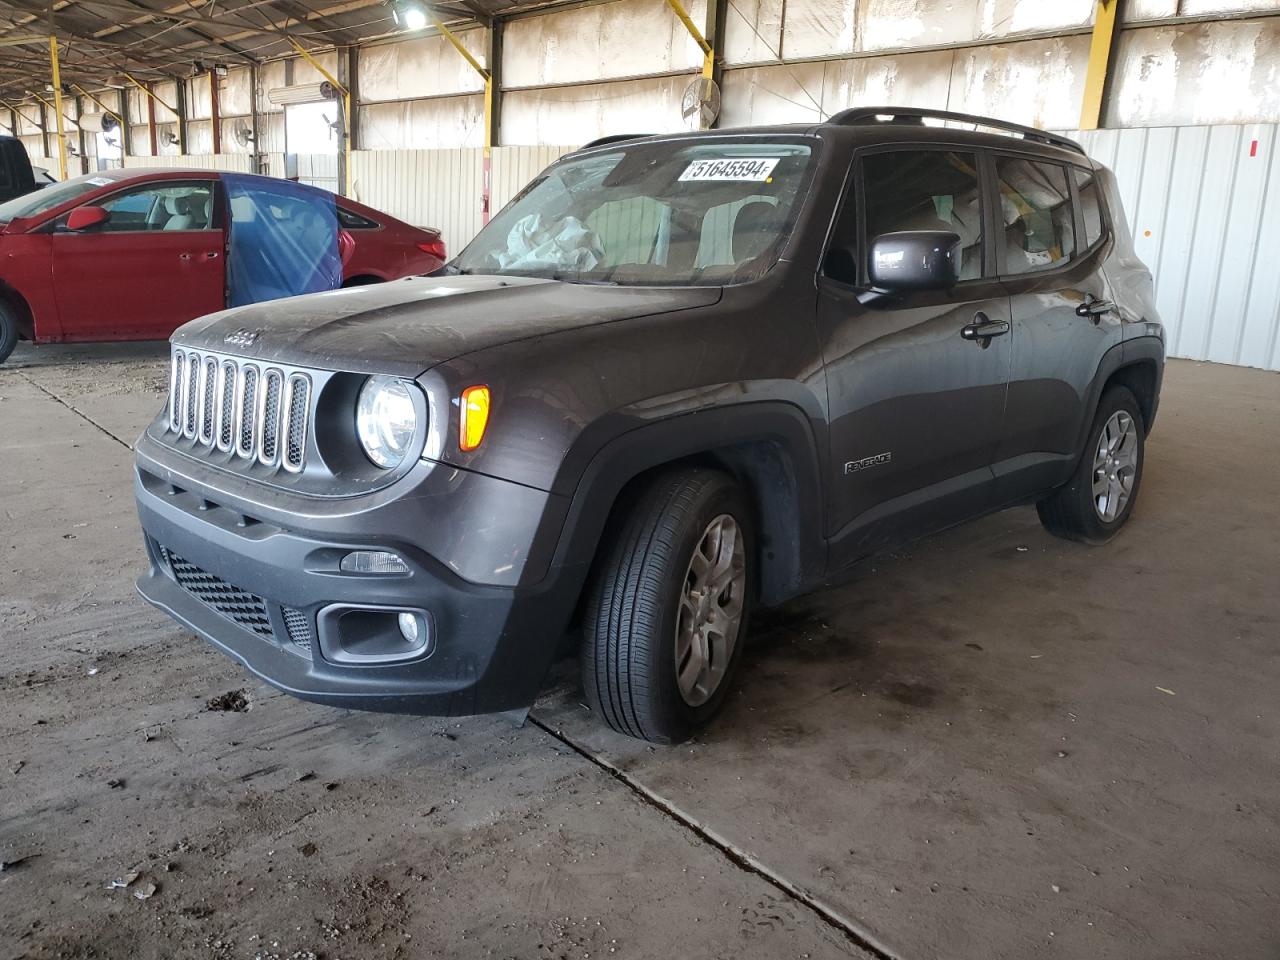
(1037, 222)
(926, 190)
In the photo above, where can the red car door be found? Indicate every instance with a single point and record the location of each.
(157, 262)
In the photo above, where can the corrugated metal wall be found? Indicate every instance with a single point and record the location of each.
(1204, 205)
(428, 188)
(443, 188)
(233, 162)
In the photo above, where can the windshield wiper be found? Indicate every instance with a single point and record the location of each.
(588, 281)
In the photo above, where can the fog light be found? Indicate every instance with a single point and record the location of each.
(411, 628)
(373, 561)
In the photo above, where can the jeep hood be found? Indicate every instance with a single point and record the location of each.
(407, 326)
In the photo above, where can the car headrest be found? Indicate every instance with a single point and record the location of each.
(177, 206)
(754, 229)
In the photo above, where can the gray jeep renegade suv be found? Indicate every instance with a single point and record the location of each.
(678, 376)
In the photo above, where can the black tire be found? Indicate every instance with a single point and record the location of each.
(634, 602)
(8, 330)
(1070, 511)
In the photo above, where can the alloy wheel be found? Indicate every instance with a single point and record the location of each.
(1115, 466)
(711, 605)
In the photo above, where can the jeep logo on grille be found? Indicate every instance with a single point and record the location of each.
(242, 337)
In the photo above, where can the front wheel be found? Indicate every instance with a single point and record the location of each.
(667, 610)
(8, 331)
(1097, 501)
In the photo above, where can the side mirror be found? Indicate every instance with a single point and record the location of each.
(85, 218)
(915, 260)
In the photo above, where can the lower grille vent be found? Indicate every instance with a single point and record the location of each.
(299, 626)
(239, 606)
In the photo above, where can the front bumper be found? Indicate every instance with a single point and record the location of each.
(258, 590)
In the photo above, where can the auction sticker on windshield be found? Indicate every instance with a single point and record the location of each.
(755, 168)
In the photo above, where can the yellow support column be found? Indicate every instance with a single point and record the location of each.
(487, 77)
(708, 53)
(1099, 71)
(57, 106)
(346, 111)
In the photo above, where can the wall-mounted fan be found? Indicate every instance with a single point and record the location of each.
(700, 105)
(243, 136)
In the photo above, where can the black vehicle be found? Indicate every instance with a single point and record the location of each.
(16, 174)
(676, 377)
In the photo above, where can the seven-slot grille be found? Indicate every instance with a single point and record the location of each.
(254, 409)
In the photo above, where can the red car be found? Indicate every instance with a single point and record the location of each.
(134, 254)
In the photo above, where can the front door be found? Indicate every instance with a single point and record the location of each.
(916, 402)
(156, 263)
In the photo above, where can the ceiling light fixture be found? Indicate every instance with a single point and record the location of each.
(409, 14)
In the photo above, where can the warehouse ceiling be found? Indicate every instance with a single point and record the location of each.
(100, 40)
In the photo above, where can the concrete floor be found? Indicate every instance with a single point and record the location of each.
(994, 745)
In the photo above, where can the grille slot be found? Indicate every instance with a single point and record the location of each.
(272, 380)
(247, 609)
(295, 438)
(299, 626)
(176, 366)
(259, 414)
(248, 411)
(208, 384)
(190, 394)
(226, 404)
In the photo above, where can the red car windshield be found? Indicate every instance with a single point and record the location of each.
(56, 194)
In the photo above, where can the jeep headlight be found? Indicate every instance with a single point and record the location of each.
(386, 420)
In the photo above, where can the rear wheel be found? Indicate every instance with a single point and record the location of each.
(8, 330)
(668, 607)
(1097, 501)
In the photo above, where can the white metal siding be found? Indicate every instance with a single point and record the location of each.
(230, 162)
(428, 188)
(1204, 205)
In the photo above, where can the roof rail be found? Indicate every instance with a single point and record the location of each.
(916, 116)
(612, 138)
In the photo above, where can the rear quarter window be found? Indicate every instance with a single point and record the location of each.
(1090, 204)
(350, 220)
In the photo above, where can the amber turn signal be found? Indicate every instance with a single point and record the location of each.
(473, 417)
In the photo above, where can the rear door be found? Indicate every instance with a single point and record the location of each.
(283, 241)
(1051, 241)
(155, 264)
(915, 405)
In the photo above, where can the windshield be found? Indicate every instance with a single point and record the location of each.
(652, 213)
(34, 204)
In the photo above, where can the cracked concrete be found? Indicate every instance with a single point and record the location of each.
(991, 745)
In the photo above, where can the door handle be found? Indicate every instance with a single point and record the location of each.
(1094, 308)
(184, 256)
(211, 255)
(983, 329)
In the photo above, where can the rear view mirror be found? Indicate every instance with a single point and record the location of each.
(85, 218)
(915, 260)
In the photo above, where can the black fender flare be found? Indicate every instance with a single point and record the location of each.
(768, 444)
(1140, 351)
